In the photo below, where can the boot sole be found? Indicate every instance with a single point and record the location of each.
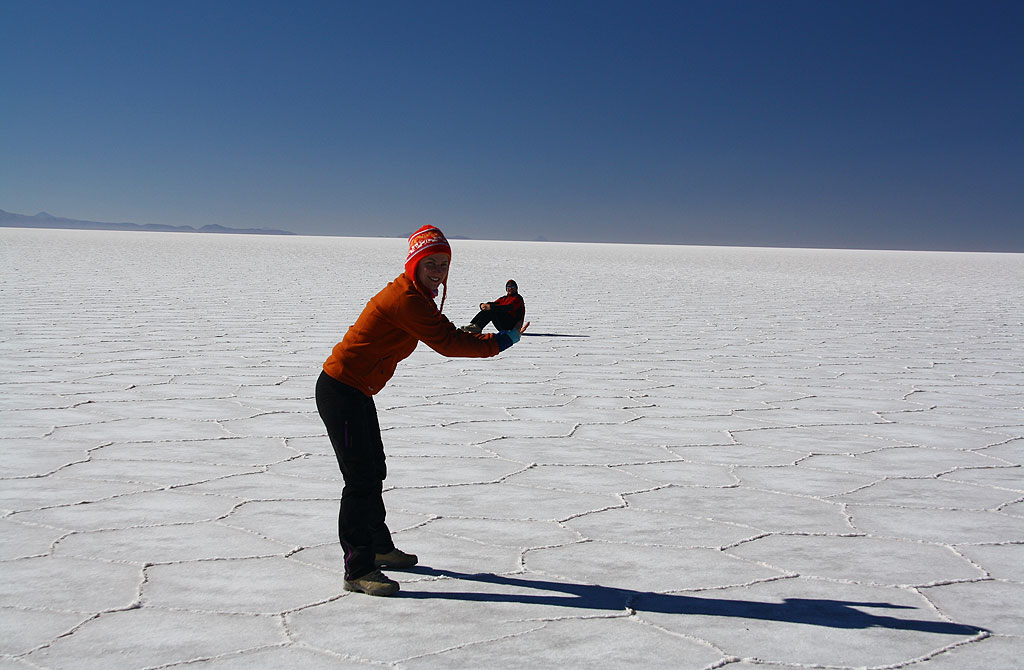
(372, 591)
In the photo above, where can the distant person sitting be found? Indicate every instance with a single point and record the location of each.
(506, 313)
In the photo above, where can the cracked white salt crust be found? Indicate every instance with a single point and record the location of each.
(706, 457)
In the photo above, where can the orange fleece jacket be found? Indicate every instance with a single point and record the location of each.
(387, 332)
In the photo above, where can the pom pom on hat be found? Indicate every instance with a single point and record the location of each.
(426, 241)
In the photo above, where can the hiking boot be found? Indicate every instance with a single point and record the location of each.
(396, 558)
(472, 328)
(374, 584)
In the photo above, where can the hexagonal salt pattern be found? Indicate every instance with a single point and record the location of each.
(741, 458)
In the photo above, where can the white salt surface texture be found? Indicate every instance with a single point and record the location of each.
(698, 458)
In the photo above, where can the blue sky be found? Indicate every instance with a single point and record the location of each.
(896, 124)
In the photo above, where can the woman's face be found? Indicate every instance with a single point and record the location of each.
(432, 271)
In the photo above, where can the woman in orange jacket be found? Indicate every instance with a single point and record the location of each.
(387, 331)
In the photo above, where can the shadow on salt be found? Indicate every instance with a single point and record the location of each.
(808, 611)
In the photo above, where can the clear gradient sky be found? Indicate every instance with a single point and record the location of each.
(894, 124)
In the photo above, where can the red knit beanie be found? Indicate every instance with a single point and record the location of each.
(426, 241)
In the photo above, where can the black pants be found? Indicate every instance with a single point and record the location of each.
(501, 320)
(351, 421)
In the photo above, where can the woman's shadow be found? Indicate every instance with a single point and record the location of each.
(817, 612)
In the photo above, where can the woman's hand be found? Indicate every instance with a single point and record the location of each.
(506, 338)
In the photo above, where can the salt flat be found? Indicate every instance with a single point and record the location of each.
(701, 457)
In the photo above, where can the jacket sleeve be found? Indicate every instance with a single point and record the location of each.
(420, 318)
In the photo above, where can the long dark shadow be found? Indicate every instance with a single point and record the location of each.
(817, 612)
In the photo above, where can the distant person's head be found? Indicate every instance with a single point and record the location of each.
(511, 287)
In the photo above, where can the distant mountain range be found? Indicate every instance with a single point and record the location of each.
(44, 220)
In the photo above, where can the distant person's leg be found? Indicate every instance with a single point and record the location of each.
(482, 318)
